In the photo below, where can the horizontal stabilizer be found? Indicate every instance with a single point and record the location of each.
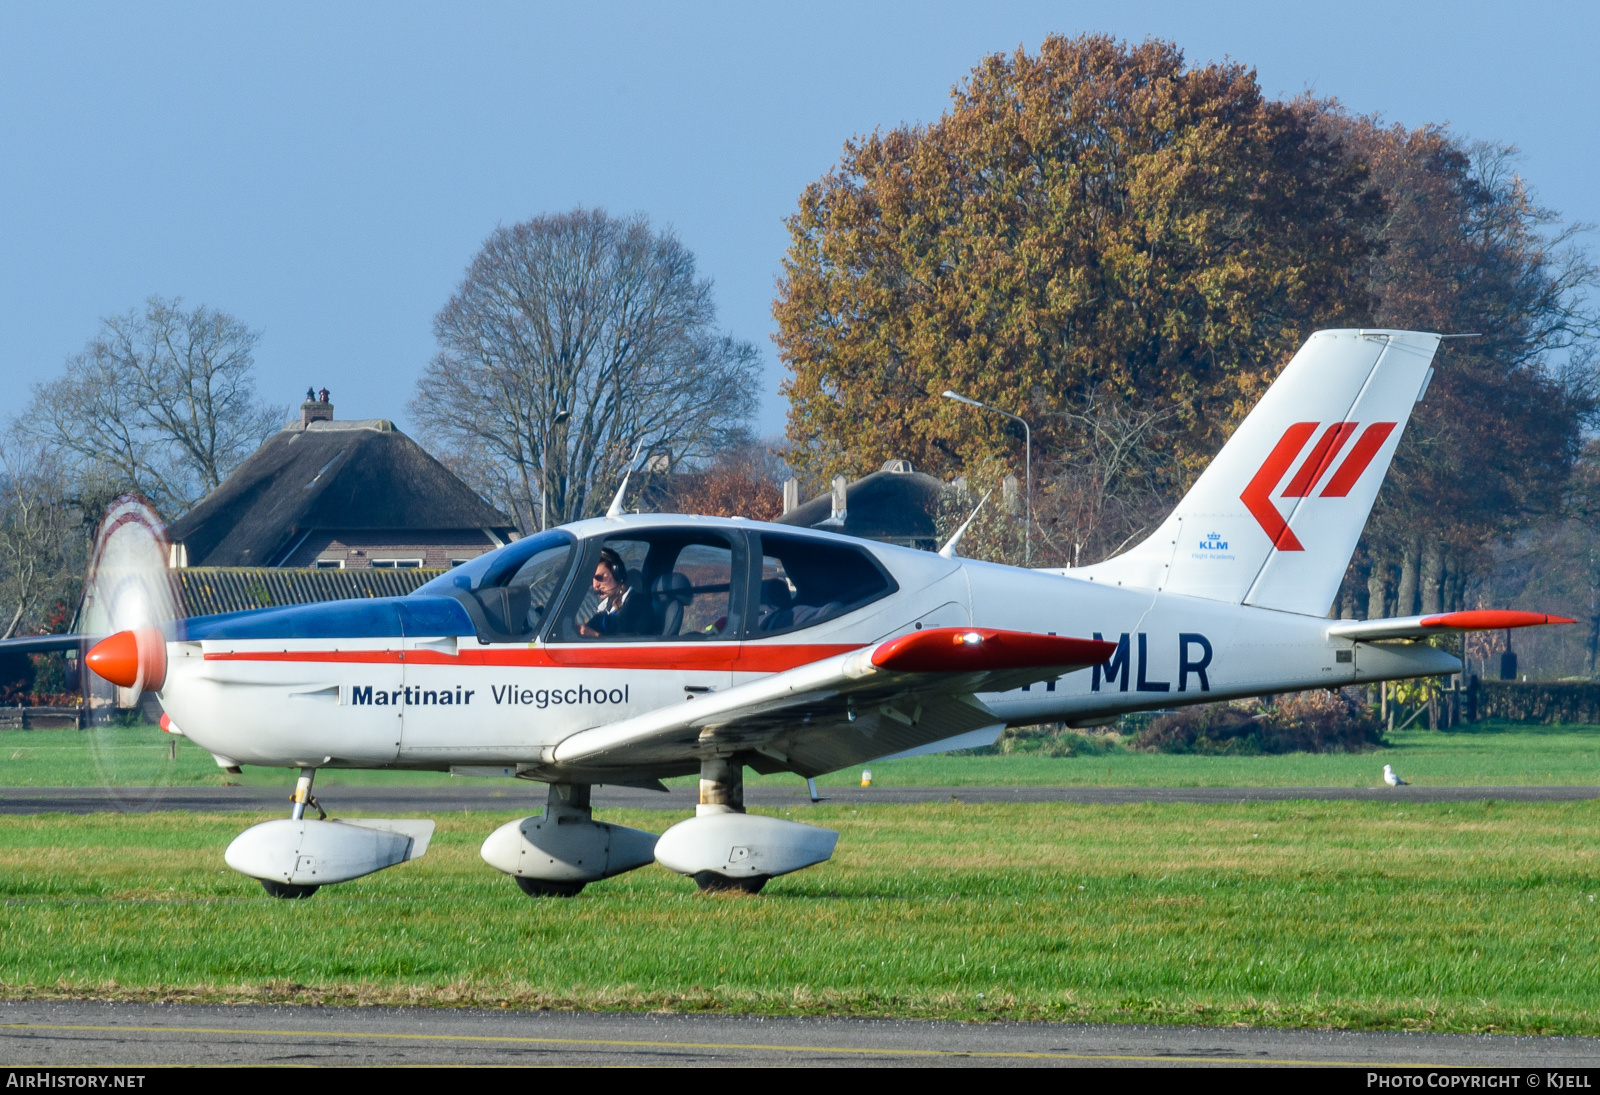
(1420, 627)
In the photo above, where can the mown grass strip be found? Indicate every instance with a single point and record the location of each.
(1461, 917)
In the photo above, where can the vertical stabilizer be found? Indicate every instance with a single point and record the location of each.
(1273, 520)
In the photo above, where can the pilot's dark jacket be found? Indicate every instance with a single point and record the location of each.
(632, 617)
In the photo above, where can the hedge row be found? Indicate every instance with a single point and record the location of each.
(1518, 701)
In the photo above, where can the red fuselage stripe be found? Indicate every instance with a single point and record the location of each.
(749, 659)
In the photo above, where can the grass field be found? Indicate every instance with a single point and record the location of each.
(1451, 917)
(1487, 753)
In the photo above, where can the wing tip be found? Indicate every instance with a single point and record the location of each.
(979, 649)
(1492, 619)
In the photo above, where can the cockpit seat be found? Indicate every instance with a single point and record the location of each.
(776, 600)
(670, 594)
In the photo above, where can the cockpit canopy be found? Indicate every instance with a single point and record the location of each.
(662, 584)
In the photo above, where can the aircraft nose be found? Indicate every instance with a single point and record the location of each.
(132, 659)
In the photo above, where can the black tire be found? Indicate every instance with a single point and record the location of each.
(712, 882)
(538, 887)
(287, 890)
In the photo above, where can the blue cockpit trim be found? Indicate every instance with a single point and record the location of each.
(422, 615)
(368, 618)
(371, 618)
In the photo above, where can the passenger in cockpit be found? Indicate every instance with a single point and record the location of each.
(779, 610)
(621, 611)
(773, 613)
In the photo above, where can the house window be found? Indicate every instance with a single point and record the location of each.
(397, 564)
(328, 564)
(458, 562)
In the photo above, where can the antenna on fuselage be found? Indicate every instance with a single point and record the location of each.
(616, 503)
(949, 549)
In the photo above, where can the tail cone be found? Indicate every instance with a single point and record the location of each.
(132, 659)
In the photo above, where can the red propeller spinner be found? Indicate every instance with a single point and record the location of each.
(133, 659)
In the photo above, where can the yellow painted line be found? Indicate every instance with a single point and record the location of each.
(634, 1044)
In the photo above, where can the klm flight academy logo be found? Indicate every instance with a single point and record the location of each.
(1257, 496)
(1212, 546)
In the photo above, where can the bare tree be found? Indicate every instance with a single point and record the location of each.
(596, 316)
(42, 548)
(742, 480)
(1111, 484)
(163, 399)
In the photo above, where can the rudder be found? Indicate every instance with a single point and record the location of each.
(1274, 518)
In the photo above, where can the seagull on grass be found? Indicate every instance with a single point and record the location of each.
(1393, 780)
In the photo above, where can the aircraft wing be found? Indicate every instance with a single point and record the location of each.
(843, 710)
(1420, 627)
(40, 644)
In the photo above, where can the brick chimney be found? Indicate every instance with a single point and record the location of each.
(316, 408)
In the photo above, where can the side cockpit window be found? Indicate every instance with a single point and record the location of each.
(805, 582)
(664, 585)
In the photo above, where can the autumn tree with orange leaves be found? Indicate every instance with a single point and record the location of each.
(1094, 221)
(1463, 248)
(1126, 250)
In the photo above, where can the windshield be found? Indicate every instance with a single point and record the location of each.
(497, 566)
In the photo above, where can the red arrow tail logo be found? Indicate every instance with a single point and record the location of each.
(1361, 454)
(1257, 496)
(1321, 459)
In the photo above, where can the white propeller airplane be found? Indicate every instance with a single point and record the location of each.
(626, 649)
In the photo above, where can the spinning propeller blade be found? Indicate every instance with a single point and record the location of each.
(130, 597)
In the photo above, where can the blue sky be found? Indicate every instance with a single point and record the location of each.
(325, 171)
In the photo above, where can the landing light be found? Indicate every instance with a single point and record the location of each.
(971, 638)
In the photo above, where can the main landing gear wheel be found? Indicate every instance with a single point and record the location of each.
(712, 882)
(538, 887)
(287, 889)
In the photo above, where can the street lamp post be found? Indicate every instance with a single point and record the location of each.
(1027, 458)
(544, 470)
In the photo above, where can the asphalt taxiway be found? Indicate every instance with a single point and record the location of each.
(485, 795)
(130, 1036)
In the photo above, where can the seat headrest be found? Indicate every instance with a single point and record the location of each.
(775, 592)
(671, 588)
